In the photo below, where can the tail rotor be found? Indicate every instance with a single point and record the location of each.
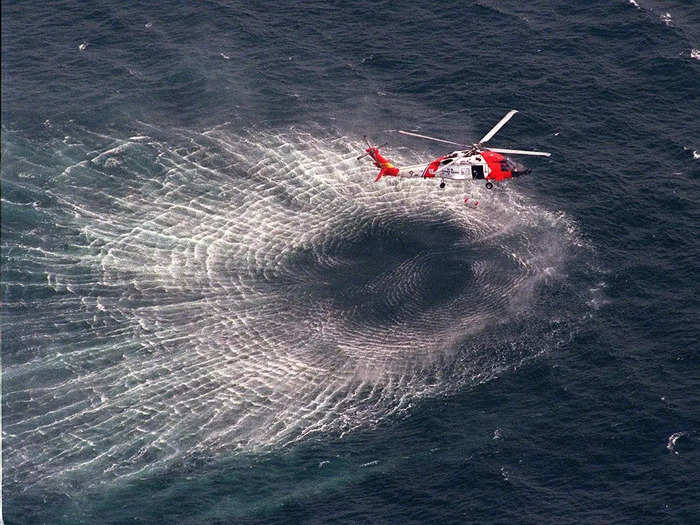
(370, 147)
(385, 166)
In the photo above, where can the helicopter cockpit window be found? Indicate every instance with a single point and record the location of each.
(446, 161)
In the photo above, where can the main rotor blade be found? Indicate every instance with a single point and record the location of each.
(431, 138)
(521, 152)
(498, 126)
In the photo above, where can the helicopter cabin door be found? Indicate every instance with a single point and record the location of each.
(477, 171)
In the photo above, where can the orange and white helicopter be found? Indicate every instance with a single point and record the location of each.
(475, 162)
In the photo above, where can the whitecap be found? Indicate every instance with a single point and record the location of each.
(671, 445)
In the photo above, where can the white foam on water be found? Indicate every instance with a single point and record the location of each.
(214, 301)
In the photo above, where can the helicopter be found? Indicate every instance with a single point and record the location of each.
(475, 162)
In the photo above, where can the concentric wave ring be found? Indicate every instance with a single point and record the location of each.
(239, 292)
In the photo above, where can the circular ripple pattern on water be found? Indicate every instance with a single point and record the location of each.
(220, 292)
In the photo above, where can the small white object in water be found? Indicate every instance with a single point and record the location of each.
(696, 155)
(666, 17)
(671, 445)
(149, 25)
(635, 4)
(695, 53)
(225, 56)
(83, 46)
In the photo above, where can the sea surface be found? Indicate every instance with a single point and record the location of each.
(211, 313)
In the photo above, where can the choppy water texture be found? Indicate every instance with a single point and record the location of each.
(212, 314)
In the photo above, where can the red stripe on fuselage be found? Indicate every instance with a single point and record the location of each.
(429, 172)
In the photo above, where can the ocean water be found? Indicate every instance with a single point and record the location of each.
(212, 314)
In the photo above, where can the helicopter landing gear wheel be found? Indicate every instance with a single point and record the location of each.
(489, 186)
(442, 184)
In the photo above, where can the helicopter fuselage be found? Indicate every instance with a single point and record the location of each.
(467, 164)
(476, 162)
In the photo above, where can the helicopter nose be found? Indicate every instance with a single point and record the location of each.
(519, 169)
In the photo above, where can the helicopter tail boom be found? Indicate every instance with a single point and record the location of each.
(385, 166)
